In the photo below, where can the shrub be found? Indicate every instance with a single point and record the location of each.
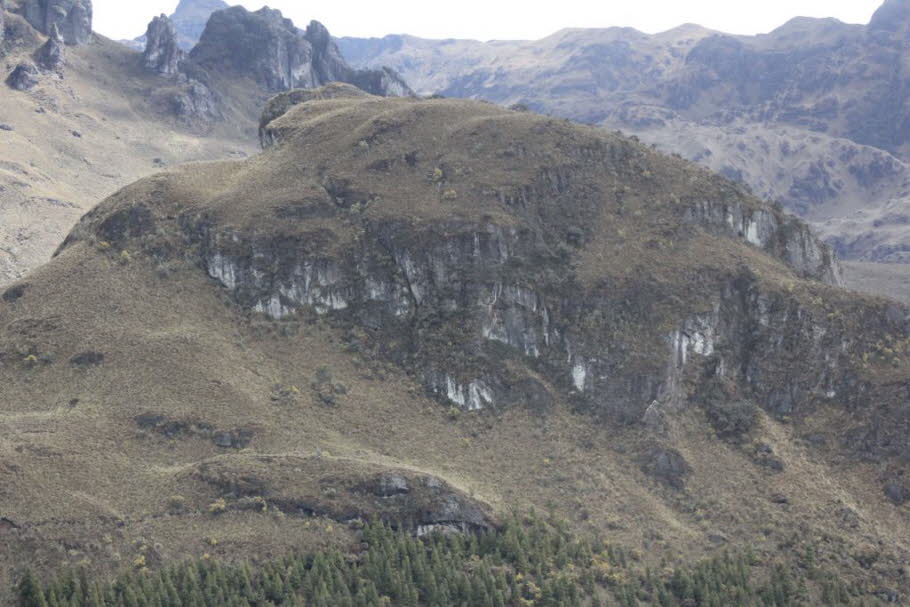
(218, 506)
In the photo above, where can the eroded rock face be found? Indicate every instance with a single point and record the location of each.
(470, 304)
(162, 54)
(73, 18)
(52, 55)
(262, 44)
(268, 48)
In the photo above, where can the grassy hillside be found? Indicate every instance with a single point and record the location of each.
(82, 134)
(158, 407)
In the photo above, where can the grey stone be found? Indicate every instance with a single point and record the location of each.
(162, 54)
(389, 485)
(24, 77)
(270, 49)
(897, 493)
(52, 56)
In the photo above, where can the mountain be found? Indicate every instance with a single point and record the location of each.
(83, 116)
(268, 48)
(189, 19)
(811, 114)
(436, 312)
(88, 124)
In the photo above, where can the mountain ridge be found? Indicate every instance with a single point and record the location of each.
(722, 89)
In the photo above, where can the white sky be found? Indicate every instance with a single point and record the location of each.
(506, 19)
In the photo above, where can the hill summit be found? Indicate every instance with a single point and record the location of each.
(434, 312)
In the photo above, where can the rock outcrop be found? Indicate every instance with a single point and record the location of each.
(162, 54)
(481, 272)
(73, 18)
(52, 55)
(266, 47)
(23, 77)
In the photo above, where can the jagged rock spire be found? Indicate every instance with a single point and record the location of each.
(52, 56)
(162, 53)
(270, 49)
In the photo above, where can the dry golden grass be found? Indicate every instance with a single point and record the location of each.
(49, 176)
(86, 484)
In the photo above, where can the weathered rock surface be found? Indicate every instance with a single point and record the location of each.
(24, 77)
(162, 54)
(72, 17)
(506, 285)
(52, 55)
(266, 47)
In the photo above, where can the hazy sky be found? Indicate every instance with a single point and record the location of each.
(506, 19)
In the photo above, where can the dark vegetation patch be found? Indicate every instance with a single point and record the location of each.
(87, 359)
(732, 416)
(14, 293)
(238, 438)
(667, 466)
(530, 561)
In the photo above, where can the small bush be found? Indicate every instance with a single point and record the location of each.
(176, 504)
(218, 506)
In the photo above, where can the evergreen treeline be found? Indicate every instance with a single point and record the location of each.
(529, 562)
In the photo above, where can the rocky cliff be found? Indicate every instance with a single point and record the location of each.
(162, 53)
(517, 277)
(190, 18)
(268, 48)
(52, 55)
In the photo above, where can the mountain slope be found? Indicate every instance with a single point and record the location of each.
(83, 132)
(833, 91)
(500, 309)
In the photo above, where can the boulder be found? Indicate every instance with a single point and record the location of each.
(162, 54)
(72, 17)
(667, 466)
(24, 77)
(897, 493)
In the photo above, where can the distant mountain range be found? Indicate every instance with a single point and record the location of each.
(815, 114)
